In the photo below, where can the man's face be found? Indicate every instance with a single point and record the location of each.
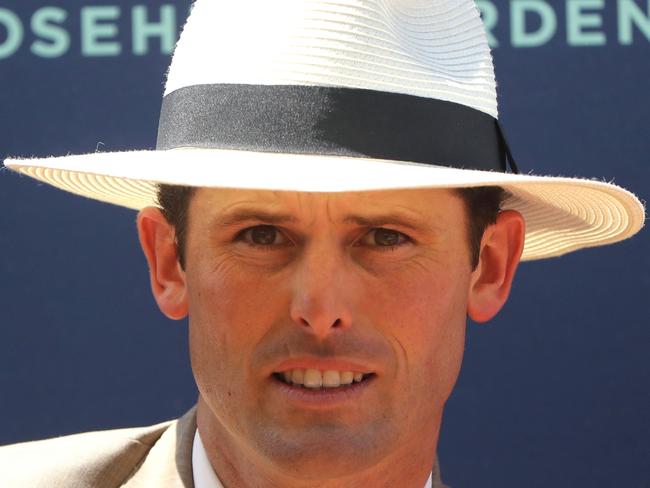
(374, 283)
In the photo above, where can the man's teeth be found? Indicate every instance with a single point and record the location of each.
(314, 378)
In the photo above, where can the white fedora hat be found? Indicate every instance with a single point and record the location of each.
(345, 95)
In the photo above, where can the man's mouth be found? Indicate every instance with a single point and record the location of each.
(314, 379)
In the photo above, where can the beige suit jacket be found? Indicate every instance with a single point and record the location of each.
(159, 456)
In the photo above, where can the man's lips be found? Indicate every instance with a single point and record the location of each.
(322, 373)
(325, 364)
(319, 395)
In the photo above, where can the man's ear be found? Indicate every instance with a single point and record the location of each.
(501, 248)
(157, 238)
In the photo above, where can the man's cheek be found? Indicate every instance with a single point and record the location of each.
(218, 370)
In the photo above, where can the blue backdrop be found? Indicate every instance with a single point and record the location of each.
(554, 392)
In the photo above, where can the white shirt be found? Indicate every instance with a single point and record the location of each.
(204, 475)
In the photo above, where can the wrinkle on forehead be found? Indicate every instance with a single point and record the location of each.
(308, 206)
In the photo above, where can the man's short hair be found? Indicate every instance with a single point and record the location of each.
(482, 205)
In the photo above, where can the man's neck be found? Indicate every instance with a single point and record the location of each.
(409, 466)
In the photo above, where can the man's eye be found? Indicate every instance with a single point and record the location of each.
(263, 235)
(387, 238)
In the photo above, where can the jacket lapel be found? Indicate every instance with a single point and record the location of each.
(436, 481)
(169, 462)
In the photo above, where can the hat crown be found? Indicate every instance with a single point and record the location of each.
(434, 49)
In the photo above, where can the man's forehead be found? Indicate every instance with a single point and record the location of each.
(416, 200)
(425, 210)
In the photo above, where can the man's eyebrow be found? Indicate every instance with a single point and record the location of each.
(249, 214)
(260, 215)
(385, 219)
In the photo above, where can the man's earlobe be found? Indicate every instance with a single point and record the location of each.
(501, 248)
(167, 278)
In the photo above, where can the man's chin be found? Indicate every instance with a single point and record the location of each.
(326, 450)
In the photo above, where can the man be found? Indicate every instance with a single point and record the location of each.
(334, 203)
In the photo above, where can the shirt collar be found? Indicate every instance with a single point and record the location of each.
(204, 475)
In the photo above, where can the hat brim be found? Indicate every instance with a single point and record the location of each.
(561, 214)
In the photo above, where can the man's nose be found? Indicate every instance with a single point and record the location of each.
(322, 291)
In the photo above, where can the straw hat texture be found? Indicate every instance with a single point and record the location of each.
(341, 95)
